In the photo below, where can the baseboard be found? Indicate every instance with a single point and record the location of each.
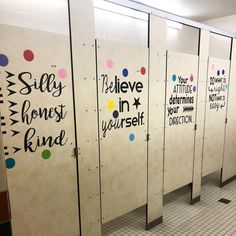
(194, 200)
(154, 223)
(5, 229)
(223, 183)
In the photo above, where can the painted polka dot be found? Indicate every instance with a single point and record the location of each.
(46, 154)
(174, 77)
(223, 72)
(115, 114)
(213, 66)
(131, 137)
(143, 70)
(10, 163)
(194, 88)
(218, 72)
(62, 73)
(3, 60)
(28, 55)
(110, 63)
(191, 78)
(125, 72)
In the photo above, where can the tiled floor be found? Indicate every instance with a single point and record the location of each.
(207, 217)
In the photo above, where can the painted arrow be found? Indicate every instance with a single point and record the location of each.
(13, 112)
(14, 132)
(10, 92)
(16, 149)
(14, 121)
(9, 74)
(10, 83)
(189, 108)
(12, 104)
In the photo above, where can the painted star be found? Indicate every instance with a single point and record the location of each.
(136, 102)
(111, 105)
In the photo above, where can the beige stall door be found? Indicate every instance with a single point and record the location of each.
(217, 89)
(181, 91)
(122, 95)
(38, 125)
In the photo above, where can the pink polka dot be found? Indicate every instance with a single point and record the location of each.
(191, 78)
(62, 73)
(213, 66)
(28, 55)
(109, 63)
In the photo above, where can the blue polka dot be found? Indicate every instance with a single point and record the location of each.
(174, 77)
(10, 163)
(131, 137)
(125, 72)
(223, 72)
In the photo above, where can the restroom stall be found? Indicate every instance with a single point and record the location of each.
(229, 161)
(122, 85)
(216, 103)
(37, 124)
(181, 89)
(180, 107)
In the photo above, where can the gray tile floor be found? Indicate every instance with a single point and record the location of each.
(207, 217)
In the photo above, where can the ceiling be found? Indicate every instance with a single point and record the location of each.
(197, 10)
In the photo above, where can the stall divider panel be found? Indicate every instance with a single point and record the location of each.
(37, 115)
(84, 66)
(216, 102)
(157, 65)
(181, 89)
(229, 162)
(122, 75)
(200, 115)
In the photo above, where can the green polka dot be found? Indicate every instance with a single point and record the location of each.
(46, 154)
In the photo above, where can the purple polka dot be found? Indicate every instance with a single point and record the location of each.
(115, 114)
(3, 60)
(194, 88)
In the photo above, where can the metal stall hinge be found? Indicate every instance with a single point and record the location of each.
(76, 152)
(147, 137)
(226, 120)
(195, 127)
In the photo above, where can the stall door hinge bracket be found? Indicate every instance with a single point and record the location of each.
(148, 137)
(76, 152)
(226, 120)
(195, 127)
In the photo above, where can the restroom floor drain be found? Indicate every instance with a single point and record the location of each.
(225, 201)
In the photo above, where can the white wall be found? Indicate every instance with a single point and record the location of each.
(43, 15)
(227, 23)
(183, 40)
(112, 26)
(220, 46)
